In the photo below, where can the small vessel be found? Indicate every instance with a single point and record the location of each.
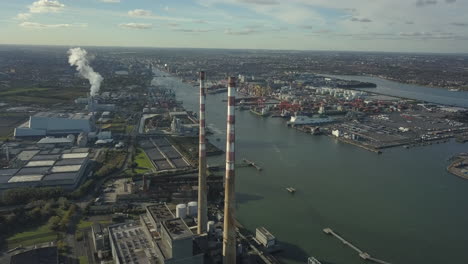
(291, 189)
(454, 90)
(260, 111)
(312, 260)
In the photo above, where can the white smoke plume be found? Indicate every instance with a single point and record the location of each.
(79, 57)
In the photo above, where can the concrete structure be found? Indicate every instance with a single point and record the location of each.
(49, 124)
(229, 232)
(100, 238)
(159, 237)
(55, 142)
(181, 211)
(192, 209)
(129, 244)
(82, 140)
(46, 168)
(265, 237)
(202, 194)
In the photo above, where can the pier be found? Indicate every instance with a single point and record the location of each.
(362, 254)
(251, 163)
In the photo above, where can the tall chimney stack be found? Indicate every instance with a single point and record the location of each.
(229, 235)
(202, 196)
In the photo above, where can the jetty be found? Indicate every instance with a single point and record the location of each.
(362, 254)
(251, 163)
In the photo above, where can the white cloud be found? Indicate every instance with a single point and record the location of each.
(23, 16)
(247, 31)
(135, 25)
(140, 13)
(259, 2)
(35, 25)
(46, 6)
(192, 30)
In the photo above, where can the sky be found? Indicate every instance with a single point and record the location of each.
(354, 25)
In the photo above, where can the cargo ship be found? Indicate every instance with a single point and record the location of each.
(305, 120)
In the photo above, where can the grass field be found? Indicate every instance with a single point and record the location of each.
(144, 164)
(83, 259)
(41, 95)
(37, 235)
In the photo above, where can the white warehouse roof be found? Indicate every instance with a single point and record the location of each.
(74, 155)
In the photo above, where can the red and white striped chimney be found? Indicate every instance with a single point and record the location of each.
(229, 235)
(202, 195)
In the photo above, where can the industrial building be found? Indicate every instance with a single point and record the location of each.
(159, 237)
(100, 238)
(61, 167)
(52, 124)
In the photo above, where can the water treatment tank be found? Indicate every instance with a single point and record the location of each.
(192, 208)
(181, 210)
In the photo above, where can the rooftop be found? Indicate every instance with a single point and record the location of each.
(66, 168)
(40, 163)
(63, 115)
(177, 228)
(160, 212)
(131, 243)
(52, 140)
(26, 178)
(74, 155)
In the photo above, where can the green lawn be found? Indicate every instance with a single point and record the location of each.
(83, 259)
(22, 91)
(37, 235)
(143, 162)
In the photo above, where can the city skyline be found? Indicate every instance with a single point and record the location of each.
(356, 25)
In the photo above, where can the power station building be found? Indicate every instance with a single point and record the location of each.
(53, 124)
(159, 237)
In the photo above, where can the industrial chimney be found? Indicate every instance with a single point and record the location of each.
(202, 199)
(229, 236)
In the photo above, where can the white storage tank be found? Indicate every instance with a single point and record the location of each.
(181, 211)
(192, 208)
(210, 226)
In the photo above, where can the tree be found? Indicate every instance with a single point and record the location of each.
(54, 223)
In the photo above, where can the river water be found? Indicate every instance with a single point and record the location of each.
(434, 95)
(401, 206)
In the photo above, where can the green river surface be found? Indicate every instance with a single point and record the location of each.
(401, 206)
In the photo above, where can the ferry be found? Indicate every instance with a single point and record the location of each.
(305, 120)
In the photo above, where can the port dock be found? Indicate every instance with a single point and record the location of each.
(251, 163)
(362, 254)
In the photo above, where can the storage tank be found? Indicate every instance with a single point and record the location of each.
(181, 210)
(192, 208)
(210, 226)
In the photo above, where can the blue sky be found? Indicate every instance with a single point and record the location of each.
(362, 25)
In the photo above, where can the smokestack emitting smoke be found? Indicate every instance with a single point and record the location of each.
(79, 57)
(202, 200)
(229, 235)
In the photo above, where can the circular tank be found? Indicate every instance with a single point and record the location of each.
(192, 208)
(210, 226)
(181, 210)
